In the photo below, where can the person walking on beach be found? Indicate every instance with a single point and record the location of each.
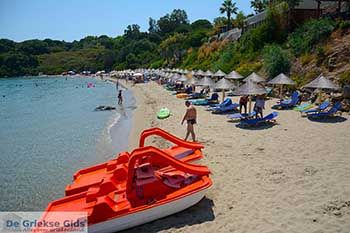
(243, 103)
(259, 106)
(191, 118)
(120, 98)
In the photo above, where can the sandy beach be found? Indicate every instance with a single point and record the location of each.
(292, 177)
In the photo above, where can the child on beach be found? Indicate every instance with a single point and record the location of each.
(191, 118)
(120, 98)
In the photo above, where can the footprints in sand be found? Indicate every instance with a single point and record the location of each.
(310, 171)
(337, 208)
(275, 176)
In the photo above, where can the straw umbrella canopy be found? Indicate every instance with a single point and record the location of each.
(281, 80)
(192, 81)
(208, 73)
(224, 84)
(234, 75)
(219, 74)
(254, 77)
(175, 77)
(206, 81)
(182, 78)
(200, 73)
(250, 88)
(322, 83)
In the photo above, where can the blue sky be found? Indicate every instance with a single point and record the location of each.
(74, 19)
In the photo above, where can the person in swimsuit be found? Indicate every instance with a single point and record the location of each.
(120, 98)
(191, 118)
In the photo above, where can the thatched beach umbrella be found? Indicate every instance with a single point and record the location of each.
(206, 81)
(175, 77)
(182, 78)
(192, 81)
(200, 73)
(208, 73)
(219, 74)
(250, 88)
(281, 80)
(234, 75)
(322, 83)
(224, 84)
(255, 78)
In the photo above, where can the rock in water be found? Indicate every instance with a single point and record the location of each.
(104, 108)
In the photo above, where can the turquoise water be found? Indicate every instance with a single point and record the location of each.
(48, 130)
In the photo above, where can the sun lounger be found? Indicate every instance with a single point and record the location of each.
(330, 113)
(226, 102)
(254, 122)
(240, 116)
(227, 108)
(320, 108)
(289, 103)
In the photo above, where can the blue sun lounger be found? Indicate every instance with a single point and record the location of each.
(225, 103)
(254, 122)
(320, 108)
(330, 113)
(227, 108)
(289, 103)
(240, 116)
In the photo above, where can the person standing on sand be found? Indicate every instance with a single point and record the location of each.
(259, 106)
(120, 98)
(191, 118)
(243, 103)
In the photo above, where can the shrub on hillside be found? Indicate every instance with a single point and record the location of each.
(344, 78)
(276, 60)
(246, 69)
(305, 37)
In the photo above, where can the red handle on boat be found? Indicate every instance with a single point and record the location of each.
(161, 133)
(155, 152)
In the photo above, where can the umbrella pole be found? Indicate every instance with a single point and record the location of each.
(223, 95)
(250, 104)
(281, 91)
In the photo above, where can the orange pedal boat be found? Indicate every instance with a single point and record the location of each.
(132, 189)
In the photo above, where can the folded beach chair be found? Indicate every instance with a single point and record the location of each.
(240, 116)
(320, 108)
(227, 108)
(289, 103)
(226, 102)
(196, 95)
(303, 107)
(254, 122)
(330, 113)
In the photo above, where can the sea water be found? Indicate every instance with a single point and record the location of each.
(49, 130)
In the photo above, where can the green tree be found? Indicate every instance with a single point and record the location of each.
(276, 60)
(152, 26)
(259, 5)
(132, 32)
(201, 24)
(229, 8)
(240, 17)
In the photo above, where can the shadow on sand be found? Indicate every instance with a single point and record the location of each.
(263, 126)
(199, 213)
(336, 119)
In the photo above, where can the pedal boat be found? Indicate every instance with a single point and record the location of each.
(136, 188)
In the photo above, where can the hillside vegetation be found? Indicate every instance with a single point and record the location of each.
(318, 46)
